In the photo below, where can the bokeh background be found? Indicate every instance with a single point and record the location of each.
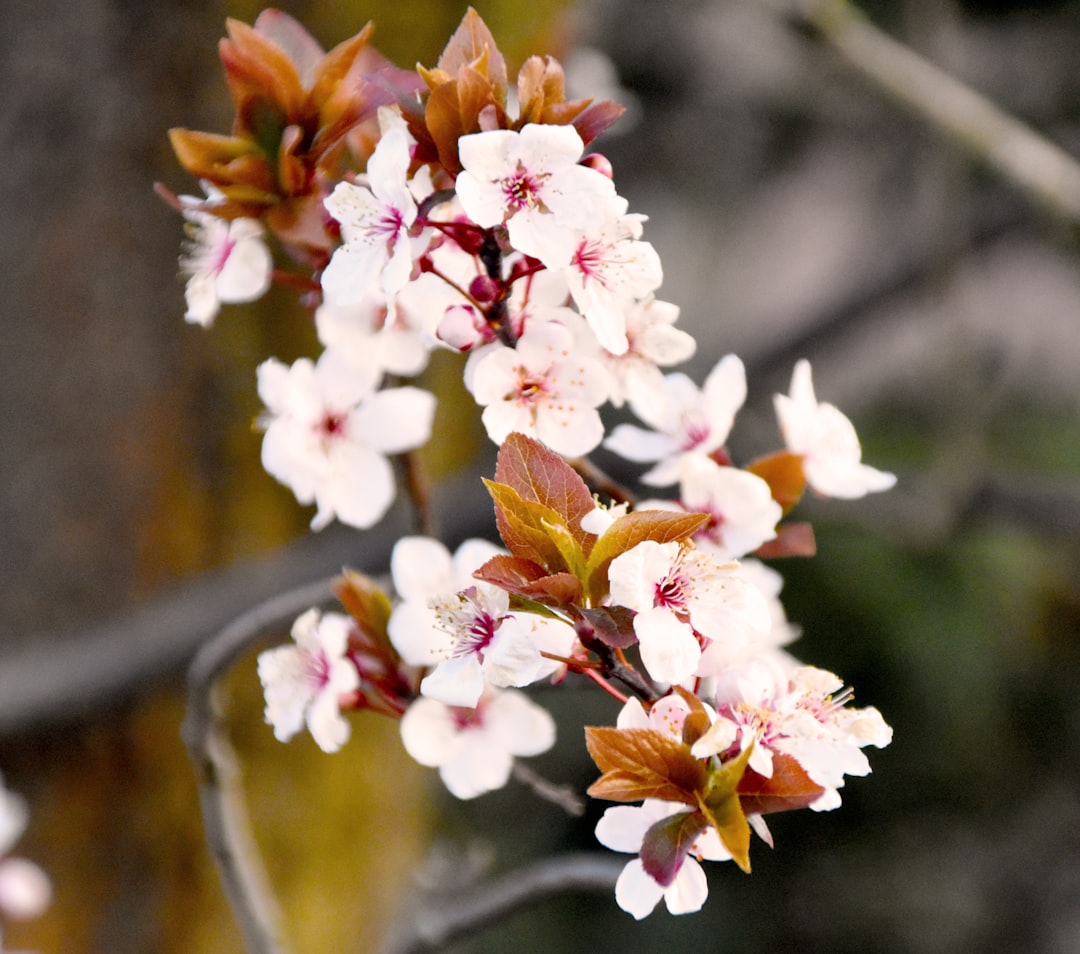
(798, 212)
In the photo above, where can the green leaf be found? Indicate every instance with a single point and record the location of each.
(666, 843)
(662, 526)
(724, 810)
(642, 763)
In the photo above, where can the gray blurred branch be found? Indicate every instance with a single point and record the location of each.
(435, 923)
(1015, 151)
(225, 817)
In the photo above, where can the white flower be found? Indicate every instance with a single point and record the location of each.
(483, 644)
(423, 570)
(688, 422)
(740, 505)
(826, 439)
(474, 749)
(25, 890)
(680, 593)
(375, 221)
(542, 388)
(652, 343)
(609, 270)
(305, 682)
(802, 714)
(623, 828)
(226, 262)
(531, 181)
(327, 436)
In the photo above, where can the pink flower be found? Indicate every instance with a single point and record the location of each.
(226, 263)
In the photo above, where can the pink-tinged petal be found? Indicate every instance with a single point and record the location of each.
(415, 634)
(422, 567)
(397, 419)
(281, 671)
(328, 727)
(353, 270)
(637, 444)
(245, 273)
(360, 488)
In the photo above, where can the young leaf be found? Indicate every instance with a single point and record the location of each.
(697, 722)
(366, 602)
(528, 579)
(642, 763)
(666, 843)
(789, 787)
(792, 539)
(783, 472)
(540, 475)
(526, 528)
(473, 45)
(612, 625)
(722, 807)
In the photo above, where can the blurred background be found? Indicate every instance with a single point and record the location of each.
(798, 212)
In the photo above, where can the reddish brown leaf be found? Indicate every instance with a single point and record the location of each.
(783, 472)
(792, 539)
(531, 581)
(789, 787)
(525, 528)
(642, 763)
(366, 602)
(697, 722)
(667, 842)
(539, 474)
(612, 625)
(473, 45)
(596, 119)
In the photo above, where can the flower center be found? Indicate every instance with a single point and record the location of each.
(522, 190)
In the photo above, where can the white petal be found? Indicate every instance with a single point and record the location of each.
(636, 892)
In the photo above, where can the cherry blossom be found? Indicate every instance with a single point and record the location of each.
(375, 222)
(531, 182)
(482, 643)
(608, 271)
(328, 434)
(680, 594)
(423, 570)
(226, 262)
(474, 748)
(623, 828)
(25, 890)
(826, 439)
(690, 421)
(652, 343)
(542, 388)
(803, 714)
(303, 683)
(740, 505)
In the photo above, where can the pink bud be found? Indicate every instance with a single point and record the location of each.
(599, 163)
(484, 288)
(461, 328)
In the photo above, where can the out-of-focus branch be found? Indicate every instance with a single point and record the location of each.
(436, 923)
(225, 817)
(1018, 153)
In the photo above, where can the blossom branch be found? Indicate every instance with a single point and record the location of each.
(1015, 151)
(432, 926)
(228, 827)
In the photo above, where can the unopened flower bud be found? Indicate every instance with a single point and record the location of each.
(484, 288)
(599, 163)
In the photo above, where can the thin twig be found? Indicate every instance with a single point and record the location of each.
(565, 797)
(1018, 153)
(432, 925)
(225, 818)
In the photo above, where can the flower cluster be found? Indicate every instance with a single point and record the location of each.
(25, 891)
(441, 210)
